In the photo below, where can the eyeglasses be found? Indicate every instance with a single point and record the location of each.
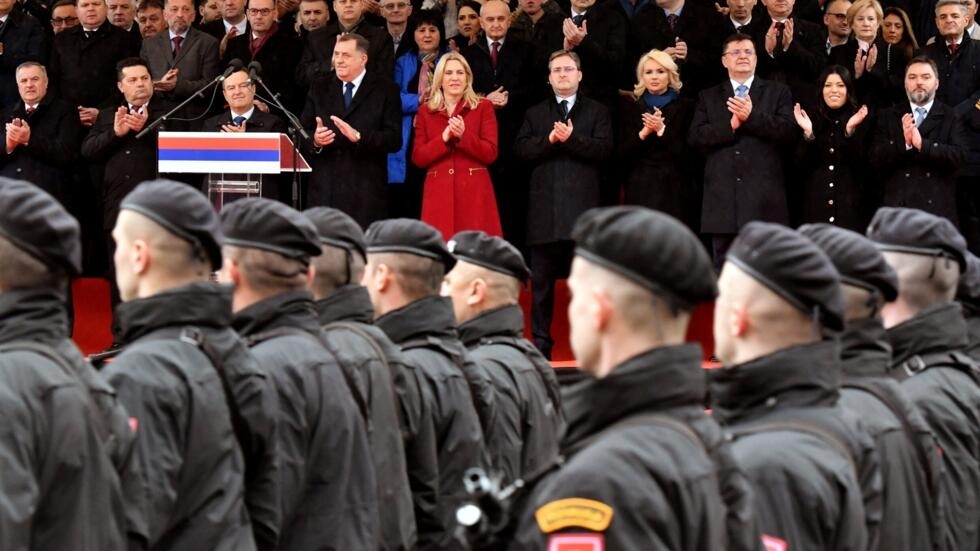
(259, 11)
(243, 86)
(737, 53)
(565, 69)
(395, 6)
(838, 16)
(62, 21)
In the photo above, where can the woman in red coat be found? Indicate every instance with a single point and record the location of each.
(455, 140)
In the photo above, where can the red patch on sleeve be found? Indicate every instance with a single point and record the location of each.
(134, 424)
(774, 544)
(576, 542)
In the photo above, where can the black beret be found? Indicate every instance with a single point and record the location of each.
(492, 253)
(337, 229)
(37, 224)
(856, 258)
(914, 231)
(259, 223)
(183, 211)
(791, 266)
(649, 248)
(404, 235)
(968, 291)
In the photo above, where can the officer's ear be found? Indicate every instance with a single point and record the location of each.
(738, 320)
(140, 258)
(310, 274)
(379, 278)
(600, 309)
(477, 291)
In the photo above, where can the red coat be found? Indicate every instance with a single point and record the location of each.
(458, 192)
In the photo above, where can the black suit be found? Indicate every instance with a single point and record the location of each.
(278, 58)
(353, 177)
(197, 63)
(564, 184)
(23, 40)
(923, 179)
(273, 186)
(317, 57)
(743, 175)
(83, 70)
(603, 51)
(216, 28)
(799, 66)
(46, 161)
(959, 75)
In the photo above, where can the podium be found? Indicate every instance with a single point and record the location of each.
(234, 164)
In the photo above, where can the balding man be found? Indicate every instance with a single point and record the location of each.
(929, 338)
(122, 13)
(636, 277)
(485, 286)
(968, 295)
(814, 473)
(22, 39)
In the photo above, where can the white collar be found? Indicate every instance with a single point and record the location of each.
(240, 26)
(246, 114)
(357, 81)
(747, 83)
(499, 41)
(927, 107)
(736, 24)
(172, 34)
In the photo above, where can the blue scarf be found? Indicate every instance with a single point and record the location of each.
(659, 101)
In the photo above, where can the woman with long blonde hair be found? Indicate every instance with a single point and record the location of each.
(455, 140)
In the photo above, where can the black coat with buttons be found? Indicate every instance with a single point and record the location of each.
(926, 178)
(959, 75)
(835, 189)
(128, 160)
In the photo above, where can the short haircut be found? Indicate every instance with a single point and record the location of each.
(130, 62)
(737, 37)
(21, 270)
(325, 3)
(361, 44)
(957, 3)
(60, 3)
(432, 17)
(335, 267)
(923, 59)
(147, 4)
(266, 271)
(104, 2)
(417, 276)
(566, 53)
(471, 4)
(924, 281)
(828, 3)
(28, 64)
(661, 58)
(861, 5)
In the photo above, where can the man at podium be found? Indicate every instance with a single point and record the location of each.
(243, 116)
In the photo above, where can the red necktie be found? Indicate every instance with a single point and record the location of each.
(29, 110)
(177, 41)
(952, 48)
(494, 53)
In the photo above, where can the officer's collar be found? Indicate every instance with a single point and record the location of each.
(939, 328)
(427, 316)
(347, 303)
(291, 309)
(865, 351)
(656, 380)
(506, 320)
(799, 376)
(33, 314)
(199, 303)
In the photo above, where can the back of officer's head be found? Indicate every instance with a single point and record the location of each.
(776, 290)
(636, 277)
(343, 251)
(928, 255)
(488, 274)
(406, 262)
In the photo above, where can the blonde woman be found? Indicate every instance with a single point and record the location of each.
(655, 144)
(455, 140)
(864, 54)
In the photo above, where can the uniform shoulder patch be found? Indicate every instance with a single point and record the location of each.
(576, 542)
(774, 544)
(574, 512)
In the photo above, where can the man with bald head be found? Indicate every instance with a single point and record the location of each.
(929, 337)
(814, 472)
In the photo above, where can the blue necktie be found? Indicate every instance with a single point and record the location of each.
(741, 90)
(237, 121)
(920, 115)
(348, 94)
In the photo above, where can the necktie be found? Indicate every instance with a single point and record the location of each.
(563, 107)
(494, 53)
(29, 110)
(920, 115)
(2, 25)
(348, 94)
(578, 19)
(177, 41)
(741, 90)
(779, 36)
(952, 47)
(237, 121)
(740, 29)
(672, 21)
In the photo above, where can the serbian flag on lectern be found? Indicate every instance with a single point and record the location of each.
(219, 152)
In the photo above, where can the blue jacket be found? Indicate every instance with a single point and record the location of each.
(406, 67)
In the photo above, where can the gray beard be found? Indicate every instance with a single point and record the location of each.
(921, 98)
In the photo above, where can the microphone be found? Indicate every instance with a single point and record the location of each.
(254, 70)
(235, 65)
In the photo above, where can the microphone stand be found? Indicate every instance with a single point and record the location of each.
(294, 128)
(195, 95)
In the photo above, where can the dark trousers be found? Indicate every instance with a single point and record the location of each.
(114, 298)
(549, 263)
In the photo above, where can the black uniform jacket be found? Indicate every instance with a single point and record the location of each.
(949, 399)
(639, 483)
(528, 426)
(816, 487)
(382, 380)
(910, 463)
(59, 489)
(328, 488)
(192, 467)
(425, 329)
(83, 70)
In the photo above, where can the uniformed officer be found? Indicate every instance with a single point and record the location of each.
(929, 338)
(815, 473)
(385, 383)
(910, 464)
(968, 295)
(485, 285)
(406, 263)
(193, 469)
(645, 468)
(58, 488)
(327, 481)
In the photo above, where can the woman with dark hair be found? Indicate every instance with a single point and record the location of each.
(654, 141)
(834, 155)
(413, 74)
(901, 45)
(468, 23)
(863, 53)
